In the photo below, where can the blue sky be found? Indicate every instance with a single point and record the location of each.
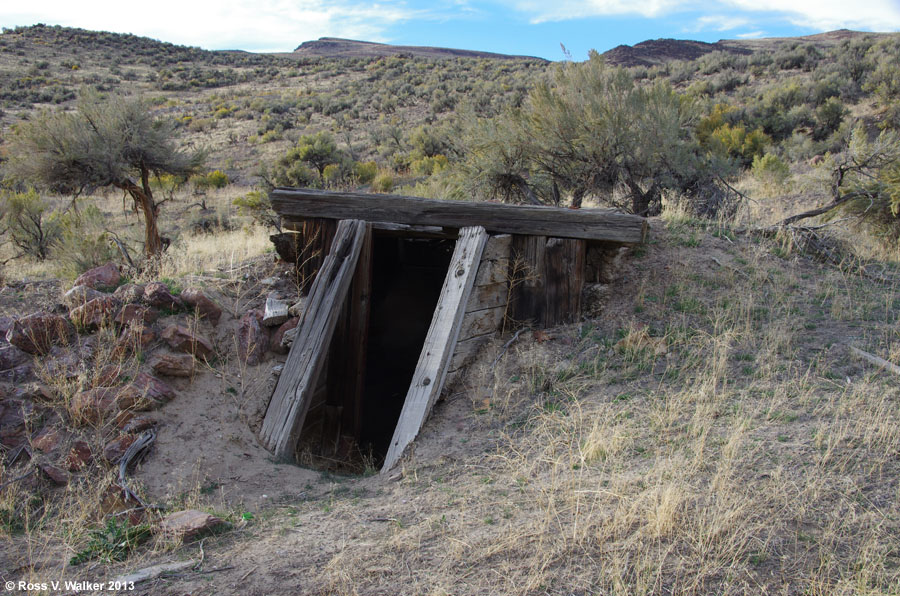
(530, 27)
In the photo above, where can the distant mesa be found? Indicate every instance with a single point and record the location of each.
(350, 48)
(660, 51)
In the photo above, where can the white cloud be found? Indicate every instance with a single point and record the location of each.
(719, 23)
(270, 25)
(877, 15)
(751, 35)
(563, 10)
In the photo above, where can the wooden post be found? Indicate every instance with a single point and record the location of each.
(293, 393)
(547, 276)
(431, 369)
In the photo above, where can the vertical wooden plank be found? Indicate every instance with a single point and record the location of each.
(313, 245)
(431, 369)
(347, 362)
(293, 393)
(526, 272)
(547, 276)
(564, 279)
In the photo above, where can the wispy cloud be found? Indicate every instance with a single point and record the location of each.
(718, 23)
(876, 15)
(278, 25)
(751, 35)
(541, 11)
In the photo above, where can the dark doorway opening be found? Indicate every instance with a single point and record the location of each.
(407, 275)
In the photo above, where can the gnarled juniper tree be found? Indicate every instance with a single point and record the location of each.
(113, 141)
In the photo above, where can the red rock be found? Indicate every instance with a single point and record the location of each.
(157, 294)
(136, 313)
(138, 425)
(173, 365)
(13, 415)
(79, 456)
(81, 295)
(38, 331)
(47, 439)
(105, 276)
(134, 338)
(182, 339)
(147, 392)
(129, 293)
(253, 340)
(12, 357)
(63, 364)
(203, 305)
(97, 404)
(109, 375)
(57, 476)
(116, 448)
(95, 313)
(188, 525)
(275, 345)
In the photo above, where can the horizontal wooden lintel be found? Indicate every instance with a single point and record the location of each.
(294, 204)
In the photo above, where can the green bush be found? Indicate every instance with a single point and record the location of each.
(383, 182)
(214, 179)
(84, 242)
(365, 171)
(28, 222)
(771, 171)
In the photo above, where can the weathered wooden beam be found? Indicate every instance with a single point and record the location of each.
(590, 224)
(431, 369)
(293, 393)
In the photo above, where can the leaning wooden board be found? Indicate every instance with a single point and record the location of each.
(440, 342)
(293, 393)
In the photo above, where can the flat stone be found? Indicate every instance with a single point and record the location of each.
(157, 294)
(79, 456)
(138, 425)
(13, 415)
(182, 339)
(203, 305)
(253, 340)
(277, 344)
(95, 405)
(134, 338)
(105, 276)
(189, 524)
(276, 311)
(38, 331)
(95, 313)
(115, 449)
(11, 357)
(80, 295)
(132, 312)
(57, 476)
(129, 293)
(173, 365)
(47, 439)
(147, 392)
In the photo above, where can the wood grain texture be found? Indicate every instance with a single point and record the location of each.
(591, 224)
(293, 393)
(440, 342)
(548, 280)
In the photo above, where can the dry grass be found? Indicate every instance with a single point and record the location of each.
(750, 456)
